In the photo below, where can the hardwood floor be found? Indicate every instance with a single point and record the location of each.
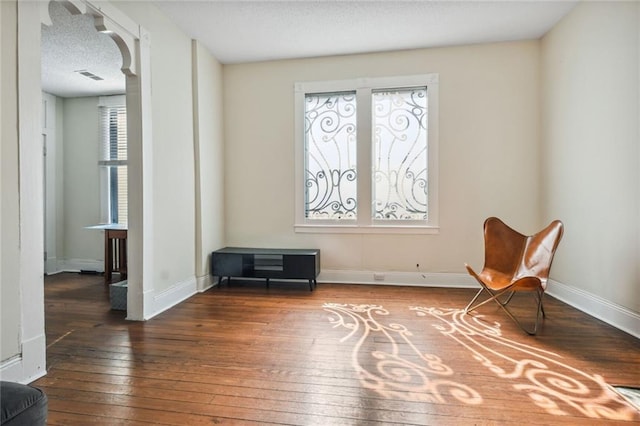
(244, 354)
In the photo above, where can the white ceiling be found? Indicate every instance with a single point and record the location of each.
(248, 31)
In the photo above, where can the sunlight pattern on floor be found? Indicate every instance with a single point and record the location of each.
(553, 385)
(387, 361)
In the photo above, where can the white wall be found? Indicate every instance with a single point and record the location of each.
(9, 215)
(171, 245)
(73, 192)
(59, 179)
(83, 248)
(49, 133)
(22, 194)
(488, 147)
(591, 168)
(209, 159)
(173, 152)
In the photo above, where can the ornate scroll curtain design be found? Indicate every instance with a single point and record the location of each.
(400, 154)
(330, 155)
(399, 175)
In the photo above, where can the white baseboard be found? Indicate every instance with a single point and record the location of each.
(172, 296)
(424, 279)
(77, 265)
(611, 313)
(52, 266)
(28, 366)
(204, 283)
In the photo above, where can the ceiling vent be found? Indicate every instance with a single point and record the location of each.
(89, 75)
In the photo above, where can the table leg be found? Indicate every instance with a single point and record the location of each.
(108, 258)
(122, 258)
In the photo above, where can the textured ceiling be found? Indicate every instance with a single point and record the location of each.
(72, 44)
(245, 31)
(237, 31)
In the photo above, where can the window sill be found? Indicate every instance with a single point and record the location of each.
(373, 229)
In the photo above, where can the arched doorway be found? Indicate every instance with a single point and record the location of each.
(133, 43)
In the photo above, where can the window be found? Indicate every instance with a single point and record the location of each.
(113, 160)
(330, 156)
(366, 155)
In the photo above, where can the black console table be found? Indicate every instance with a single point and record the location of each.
(267, 263)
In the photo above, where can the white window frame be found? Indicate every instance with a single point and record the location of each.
(365, 223)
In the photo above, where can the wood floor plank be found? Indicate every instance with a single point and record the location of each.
(244, 354)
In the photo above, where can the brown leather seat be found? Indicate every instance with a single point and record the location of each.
(515, 262)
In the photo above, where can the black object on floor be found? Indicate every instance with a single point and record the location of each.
(22, 405)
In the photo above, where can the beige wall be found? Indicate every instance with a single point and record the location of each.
(208, 121)
(489, 153)
(590, 110)
(9, 215)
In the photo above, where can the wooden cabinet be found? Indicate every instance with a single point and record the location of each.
(267, 263)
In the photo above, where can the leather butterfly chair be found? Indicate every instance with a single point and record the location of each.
(515, 262)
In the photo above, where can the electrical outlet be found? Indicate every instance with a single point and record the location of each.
(378, 276)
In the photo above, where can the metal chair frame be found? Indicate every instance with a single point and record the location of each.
(515, 262)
